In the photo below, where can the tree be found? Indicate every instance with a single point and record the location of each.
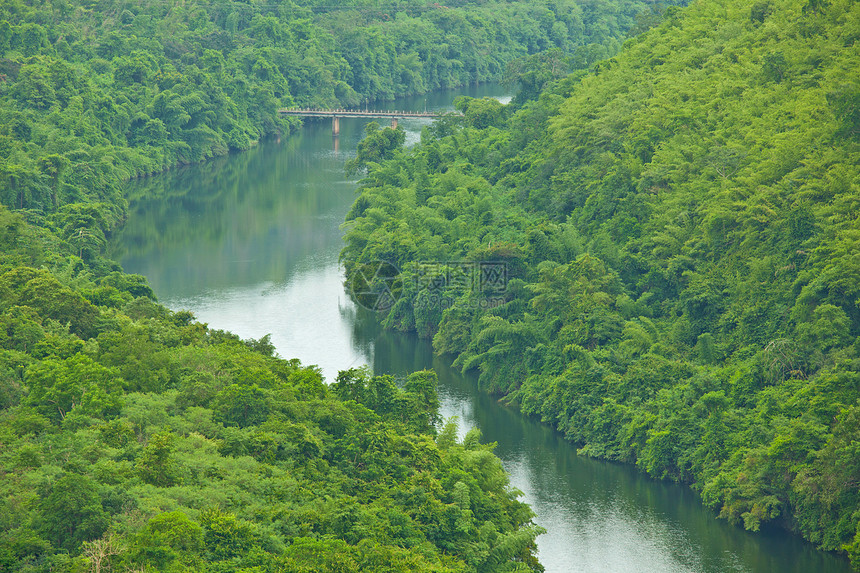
(377, 146)
(380, 395)
(100, 551)
(829, 328)
(59, 386)
(350, 384)
(225, 535)
(72, 512)
(23, 187)
(242, 406)
(421, 386)
(56, 301)
(86, 226)
(156, 465)
(34, 88)
(53, 167)
(845, 103)
(481, 113)
(815, 6)
(168, 537)
(533, 72)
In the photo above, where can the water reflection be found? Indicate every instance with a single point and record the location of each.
(258, 217)
(600, 517)
(250, 243)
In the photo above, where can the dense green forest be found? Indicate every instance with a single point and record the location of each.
(95, 93)
(679, 230)
(134, 438)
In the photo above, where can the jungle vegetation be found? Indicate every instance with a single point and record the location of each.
(679, 228)
(93, 93)
(133, 438)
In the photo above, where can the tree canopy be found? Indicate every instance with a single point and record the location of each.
(136, 438)
(678, 232)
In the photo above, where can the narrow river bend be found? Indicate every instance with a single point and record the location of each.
(250, 243)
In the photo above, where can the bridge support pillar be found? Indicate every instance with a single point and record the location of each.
(335, 125)
(394, 123)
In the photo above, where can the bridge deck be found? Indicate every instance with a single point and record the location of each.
(359, 113)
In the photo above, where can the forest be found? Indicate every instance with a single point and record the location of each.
(133, 438)
(678, 228)
(95, 93)
(136, 439)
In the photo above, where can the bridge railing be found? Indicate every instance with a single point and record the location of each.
(358, 112)
(336, 114)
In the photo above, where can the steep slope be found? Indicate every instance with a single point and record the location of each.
(680, 232)
(95, 93)
(133, 438)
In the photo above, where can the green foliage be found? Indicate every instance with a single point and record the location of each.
(845, 101)
(243, 406)
(377, 146)
(156, 464)
(481, 113)
(93, 96)
(58, 387)
(72, 512)
(142, 440)
(168, 537)
(680, 252)
(161, 445)
(533, 73)
(226, 536)
(416, 405)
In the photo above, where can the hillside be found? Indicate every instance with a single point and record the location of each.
(133, 438)
(95, 93)
(680, 233)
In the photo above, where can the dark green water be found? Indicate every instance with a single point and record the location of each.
(250, 242)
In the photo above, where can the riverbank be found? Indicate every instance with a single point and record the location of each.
(197, 243)
(674, 295)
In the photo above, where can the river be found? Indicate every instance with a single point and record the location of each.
(250, 243)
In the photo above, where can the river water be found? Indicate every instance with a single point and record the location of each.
(250, 244)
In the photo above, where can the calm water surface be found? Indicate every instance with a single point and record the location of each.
(250, 243)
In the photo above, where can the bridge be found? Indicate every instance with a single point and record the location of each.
(336, 114)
